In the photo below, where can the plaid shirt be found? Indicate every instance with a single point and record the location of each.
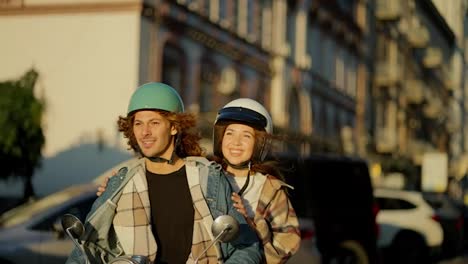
(133, 214)
(276, 222)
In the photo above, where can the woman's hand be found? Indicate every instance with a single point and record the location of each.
(239, 204)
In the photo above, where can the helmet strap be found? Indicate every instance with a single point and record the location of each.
(240, 166)
(246, 184)
(163, 160)
(243, 165)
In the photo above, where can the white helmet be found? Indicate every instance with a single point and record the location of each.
(249, 112)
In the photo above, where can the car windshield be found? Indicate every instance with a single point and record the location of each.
(26, 211)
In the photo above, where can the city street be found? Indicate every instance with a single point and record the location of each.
(353, 114)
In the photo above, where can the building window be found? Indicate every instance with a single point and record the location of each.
(339, 121)
(382, 48)
(223, 9)
(348, 6)
(314, 47)
(294, 112)
(351, 75)
(228, 13)
(317, 115)
(330, 120)
(255, 16)
(263, 93)
(266, 24)
(329, 48)
(233, 14)
(340, 73)
(172, 67)
(291, 30)
(242, 17)
(324, 118)
(208, 86)
(294, 118)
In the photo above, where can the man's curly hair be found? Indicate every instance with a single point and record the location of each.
(185, 123)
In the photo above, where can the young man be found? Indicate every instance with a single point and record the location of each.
(162, 204)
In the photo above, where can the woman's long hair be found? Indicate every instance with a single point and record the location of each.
(186, 140)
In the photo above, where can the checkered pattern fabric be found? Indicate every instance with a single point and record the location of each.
(276, 222)
(132, 221)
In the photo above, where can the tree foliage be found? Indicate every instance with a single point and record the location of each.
(21, 136)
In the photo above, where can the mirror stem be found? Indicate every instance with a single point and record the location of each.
(75, 240)
(226, 229)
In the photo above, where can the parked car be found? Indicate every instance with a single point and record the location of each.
(449, 213)
(335, 193)
(409, 230)
(32, 233)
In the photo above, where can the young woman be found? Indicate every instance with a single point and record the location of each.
(241, 140)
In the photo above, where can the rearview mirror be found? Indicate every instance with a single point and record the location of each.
(73, 225)
(225, 228)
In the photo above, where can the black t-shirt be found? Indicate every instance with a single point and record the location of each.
(172, 215)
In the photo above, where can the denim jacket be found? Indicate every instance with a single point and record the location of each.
(101, 238)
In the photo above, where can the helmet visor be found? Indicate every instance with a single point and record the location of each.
(242, 115)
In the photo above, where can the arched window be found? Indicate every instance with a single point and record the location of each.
(218, 85)
(208, 85)
(294, 118)
(329, 119)
(294, 112)
(229, 85)
(173, 70)
(318, 115)
(291, 29)
(263, 91)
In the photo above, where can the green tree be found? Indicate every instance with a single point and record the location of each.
(21, 136)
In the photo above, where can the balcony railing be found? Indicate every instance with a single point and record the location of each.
(432, 57)
(434, 108)
(418, 37)
(386, 140)
(447, 77)
(414, 91)
(387, 73)
(388, 9)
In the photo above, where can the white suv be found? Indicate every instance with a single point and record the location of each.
(408, 226)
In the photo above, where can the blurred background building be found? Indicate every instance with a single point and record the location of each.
(380, 79)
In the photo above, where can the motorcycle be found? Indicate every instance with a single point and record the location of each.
(224, 229)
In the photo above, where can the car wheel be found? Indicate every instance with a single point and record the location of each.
(349, 252)
(409, 247)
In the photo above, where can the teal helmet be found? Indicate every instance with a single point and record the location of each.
(156, 96)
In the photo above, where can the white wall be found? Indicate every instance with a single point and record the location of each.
(88, 68)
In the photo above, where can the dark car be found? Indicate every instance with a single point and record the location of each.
(336, 192)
